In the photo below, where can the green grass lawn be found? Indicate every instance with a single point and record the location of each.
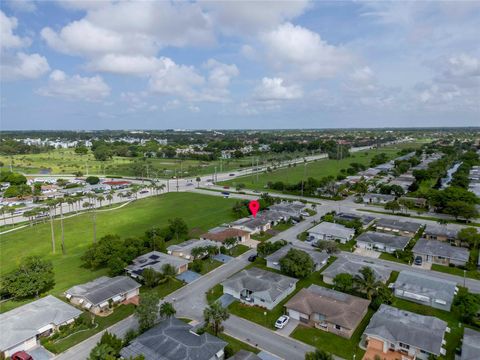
(209, 265)
(214, 293)
(118, 314)
(237, 345)
(332, 343)
(472, 274)
(391, 257)
(239, 250)
(316, 169)
(348, 246)
(65, 161)
(202, 213)
(164, 289)
(263, 236)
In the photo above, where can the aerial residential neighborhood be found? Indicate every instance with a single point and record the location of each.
(239, 180)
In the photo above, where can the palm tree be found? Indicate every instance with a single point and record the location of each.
(100, 199)
(198, 179)
(91, 206)
(167, 310)
(60, 202)
(214, 315)
(51, 206)
(367, 281)
(109, 197)
(4, 210)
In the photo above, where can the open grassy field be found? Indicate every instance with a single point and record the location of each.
(66, 161)
(316, 169)
(202, 213)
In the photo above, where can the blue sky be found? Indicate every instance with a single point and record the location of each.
(83, 64)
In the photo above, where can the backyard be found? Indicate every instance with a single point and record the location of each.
(134, 219)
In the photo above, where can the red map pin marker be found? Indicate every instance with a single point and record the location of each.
(254, 206)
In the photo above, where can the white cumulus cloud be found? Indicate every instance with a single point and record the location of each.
(75, 87)
(272, 89)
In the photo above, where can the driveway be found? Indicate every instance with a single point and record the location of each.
(367, 253)
(223, 258)
(188, 276)
(288, 329)
(40, 353)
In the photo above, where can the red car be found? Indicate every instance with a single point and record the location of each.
(21, 355)
(226, 187)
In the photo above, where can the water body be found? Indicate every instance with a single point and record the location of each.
(447, 179)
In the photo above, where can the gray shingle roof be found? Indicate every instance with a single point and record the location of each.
(103, 288)
(172, 339)
(440, 248)
(364, 219)
(342, 265)
(394, 241)
(438, 230)
(399, 225)
(332, 229)
(427, 285)
(471, 345)
(23, 323)
(395, 325)
(268, 285)
(318, 257)
(154, 260)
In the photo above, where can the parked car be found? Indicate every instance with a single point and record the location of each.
(418, 261)
(21, 355)
(143, 191)
(226, 187)
(189, 184)
(252, 258)
(281, 321)
(231, 175)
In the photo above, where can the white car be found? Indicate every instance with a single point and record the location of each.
(281, 321)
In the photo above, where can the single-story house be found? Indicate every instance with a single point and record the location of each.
(328, 310)
(353, 267)
(438, 252)
(425, 289)
(252, 225)
(319, 258)
(407, 334)
(418, 202)
(173, 339)
(184, 249)
(470, 345)
(385, 167)
(366, 220)
(397, 227)
(377, 198)
(292, 209)
(382, 242)
(369, 173)
(22, 327)
(155, 260)
(441, 233)
(220, 234)
(255, 286)
(97, 295)
(330, 231)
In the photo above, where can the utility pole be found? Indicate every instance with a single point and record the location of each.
(257, 169)
(168, 185)
(215, 179)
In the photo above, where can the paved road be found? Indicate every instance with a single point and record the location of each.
(261, 337)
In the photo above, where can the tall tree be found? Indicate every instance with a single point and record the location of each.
(147, 311)
(297, 263)
(367, 282)
(214, 315)
(178, 228)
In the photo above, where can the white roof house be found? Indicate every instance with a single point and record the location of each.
(21, 327)
(330, 231)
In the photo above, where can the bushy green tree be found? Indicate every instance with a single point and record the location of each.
(297, 263)
(147, 311)
(343, 282)
(33, 276)
(214, 315)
